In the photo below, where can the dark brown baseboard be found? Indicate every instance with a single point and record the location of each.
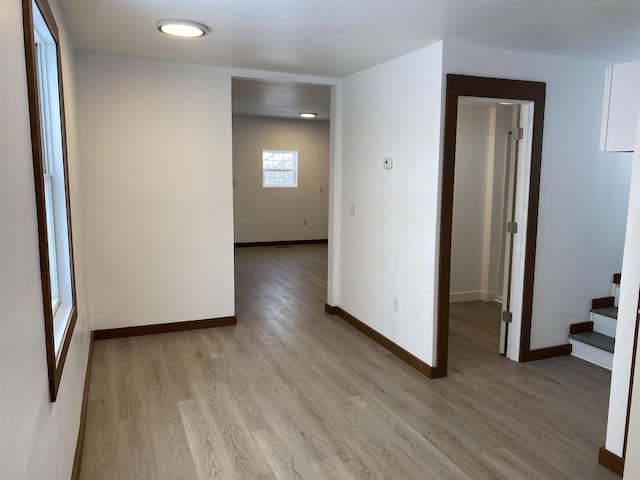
(282, 242)
(611, 461)
(548, 352)
(581, 327)
(330, 309)
(77, 460)
(163, 328)
(377, 337)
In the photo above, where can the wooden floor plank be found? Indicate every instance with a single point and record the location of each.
(293, 393)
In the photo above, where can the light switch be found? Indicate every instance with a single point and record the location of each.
(388, 163)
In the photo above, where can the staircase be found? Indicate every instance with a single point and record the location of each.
(594, 340)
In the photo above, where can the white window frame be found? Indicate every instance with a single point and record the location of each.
(266, 168)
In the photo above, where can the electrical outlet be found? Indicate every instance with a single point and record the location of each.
(352, 209)
(321, 189)
(396, 304)
(235, 184)
(304, 222)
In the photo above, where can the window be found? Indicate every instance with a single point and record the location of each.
(48, 141)
(279, 168)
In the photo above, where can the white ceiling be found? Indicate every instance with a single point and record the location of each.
(335, 38)
(273, 99)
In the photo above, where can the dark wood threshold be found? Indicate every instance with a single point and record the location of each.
(602, 302)
(548, 352)
(163, 328)
(611, 461)
(77, 460)
(391, 346)
(581, 327)
(282, 242)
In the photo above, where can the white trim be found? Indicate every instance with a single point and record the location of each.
(458, 297)
(335, 160)
(591, 354)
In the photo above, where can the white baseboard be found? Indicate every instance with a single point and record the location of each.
(464, 297)
(488, 296)
(459, 297)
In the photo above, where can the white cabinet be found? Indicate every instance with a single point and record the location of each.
(620, 111)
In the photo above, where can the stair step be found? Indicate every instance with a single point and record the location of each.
(591, 354)
(595, 339)
(581, 327)
(602, 302)
(611, 312)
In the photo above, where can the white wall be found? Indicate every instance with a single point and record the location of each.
(627, 313)
(156, 146)
(271, 214)
(583, 193)
(626, 324)
(387, 249)
(38, 438)
(469, 202)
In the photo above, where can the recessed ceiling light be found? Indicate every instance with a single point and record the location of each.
(308, 115)
(182, 28)
(507, 103)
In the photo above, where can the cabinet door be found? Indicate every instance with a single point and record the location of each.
(620, 112)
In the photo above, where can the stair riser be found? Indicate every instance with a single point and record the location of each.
(605, 325)
(591, 354)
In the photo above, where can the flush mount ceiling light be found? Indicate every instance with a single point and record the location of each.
(308, 115)
(182, 28)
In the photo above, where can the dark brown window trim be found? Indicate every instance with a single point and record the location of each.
(458, 86)
(54, 367)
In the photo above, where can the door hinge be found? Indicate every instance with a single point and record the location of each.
(517, 133)
(507, 316)
(512, 227)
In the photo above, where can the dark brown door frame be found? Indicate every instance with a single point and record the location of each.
(467, 86)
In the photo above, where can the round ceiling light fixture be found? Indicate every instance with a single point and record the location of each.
(308, 115)
(182, 28)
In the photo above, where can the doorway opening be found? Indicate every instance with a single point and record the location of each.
(281, 180)
(486, 173)
(524, 209)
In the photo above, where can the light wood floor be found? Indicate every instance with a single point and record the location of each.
(291, 392)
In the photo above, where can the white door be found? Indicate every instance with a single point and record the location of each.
(510, 225)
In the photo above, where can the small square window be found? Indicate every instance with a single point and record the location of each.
(279, 168)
